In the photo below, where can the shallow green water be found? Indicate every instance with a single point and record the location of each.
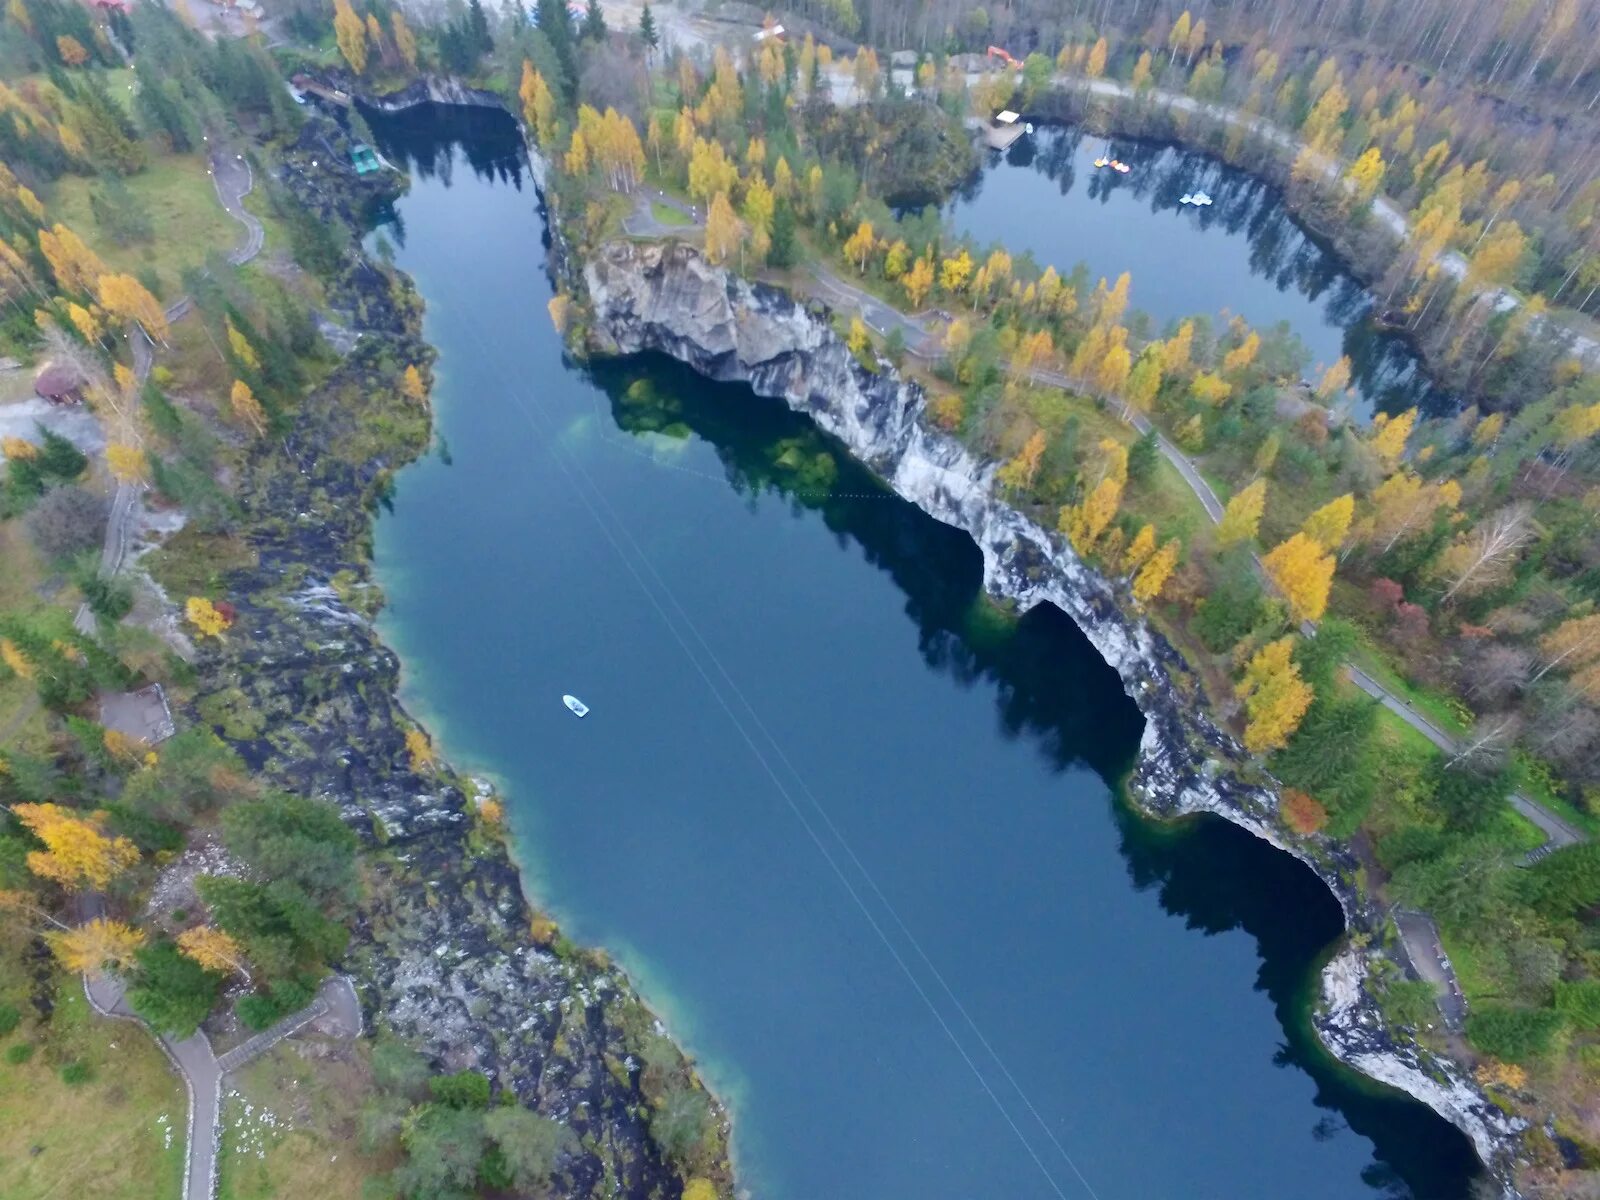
(852, 828)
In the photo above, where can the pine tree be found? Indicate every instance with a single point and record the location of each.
(647, 30)
(482, 40)
(594, 22)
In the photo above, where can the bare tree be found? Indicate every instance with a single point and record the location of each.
(1496, 673)
(1491, 739)
(1486, 554)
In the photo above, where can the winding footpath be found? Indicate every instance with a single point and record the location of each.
(203, 1070)
(233, 180)
(192, 1057)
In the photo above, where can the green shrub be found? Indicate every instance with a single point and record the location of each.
(464, 1089)
(20, 1053)
(1513, 1035)
(10, 1018)
(76, 1072)
(1580, 1003)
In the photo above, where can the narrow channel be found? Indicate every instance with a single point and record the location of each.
(854, 831)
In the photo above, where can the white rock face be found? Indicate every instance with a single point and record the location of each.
(667, 298)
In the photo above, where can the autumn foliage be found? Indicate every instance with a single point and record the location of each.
(1302, 813)
(78, 852)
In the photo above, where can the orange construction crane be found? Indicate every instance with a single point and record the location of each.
(997, 52)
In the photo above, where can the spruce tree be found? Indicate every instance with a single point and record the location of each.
(647, 29)
(594, 22)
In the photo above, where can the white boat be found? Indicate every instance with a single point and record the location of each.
(578, 707)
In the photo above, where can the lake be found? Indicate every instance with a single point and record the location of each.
(855, 832)
(1245, 255)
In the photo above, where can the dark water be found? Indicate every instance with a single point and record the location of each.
(852, 830)
(1244, 255)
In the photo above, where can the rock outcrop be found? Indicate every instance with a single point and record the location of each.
(667, 298)
(445, 950)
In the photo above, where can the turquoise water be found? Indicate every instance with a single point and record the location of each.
(1244, 255)
(853, 829)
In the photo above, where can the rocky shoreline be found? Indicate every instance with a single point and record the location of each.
(446, 950)
(668, 299)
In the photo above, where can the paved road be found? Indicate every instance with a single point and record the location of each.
(881, 317)
(1558, 832)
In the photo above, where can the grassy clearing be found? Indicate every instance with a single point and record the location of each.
(1429, 704)
(668, 215)
(103, 1139)
(188, 222)
(298, 1136)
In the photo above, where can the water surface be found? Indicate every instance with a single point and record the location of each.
(1245, 255)
(852, 829)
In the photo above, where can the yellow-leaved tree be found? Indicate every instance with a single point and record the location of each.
(1243, 515)
(560, 309)
(419, 749)
(1085, 523)
(412, 386)
(1018, 474)
(858, 246)
(246, 408)
(76, 267)
(78, 853)
(1153, 576)
(858, 339)
(918, 282)
(214, 949)
(127, 464)
(1389, 435)
(1335, 379)
(206, 617)
(404, 40)
(124, 296)
(955, 272)
(96, 946)
(724, 231)
(351, 34)
(1303, 571)
(1141, 548)
(1275, 696)
(243, 351)
(1330, 524)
